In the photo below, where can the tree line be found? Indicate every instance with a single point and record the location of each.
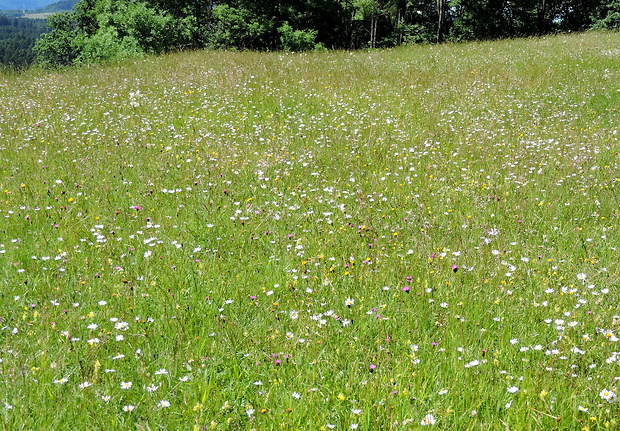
(101, 30)
(17, 39)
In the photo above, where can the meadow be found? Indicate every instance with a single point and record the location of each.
(416, 238)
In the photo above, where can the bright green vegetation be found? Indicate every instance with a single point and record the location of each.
(372, 240)
(98, 31)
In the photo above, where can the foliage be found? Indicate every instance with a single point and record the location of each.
(296, 40)
(609, 16)
(58, 47)
(157, 26)
(17, 38)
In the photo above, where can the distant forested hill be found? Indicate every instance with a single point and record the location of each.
(17, 37)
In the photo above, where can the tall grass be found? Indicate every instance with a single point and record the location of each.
(372, 240)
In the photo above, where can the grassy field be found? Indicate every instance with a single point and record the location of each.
(415, 238)
(42, 15)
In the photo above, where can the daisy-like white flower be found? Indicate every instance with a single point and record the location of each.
(184, 378)
(163, 404)
(296, 395)
(608, 395)
(443, 392)
(85, 385)
(349, 302)
(126, 385)
(121, 326)
(429, 419)
(294, 314)
(129, 408)
(61, 381)
(582, 409)
(513, 389)
(161, 371)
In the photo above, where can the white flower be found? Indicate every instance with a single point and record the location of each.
(121, 326)
(512, 389)
(581, 276)
(163, 404)
(161, 371)
(129, 408)
(294, 314)
(126, 385)
(429, 419)
(607, 395)
(349, 302)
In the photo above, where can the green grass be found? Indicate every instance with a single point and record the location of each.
(308, 241)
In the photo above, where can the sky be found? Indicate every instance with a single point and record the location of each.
(19, 4)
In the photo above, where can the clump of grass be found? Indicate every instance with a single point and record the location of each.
(372, 240)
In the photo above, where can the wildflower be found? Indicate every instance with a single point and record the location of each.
(184, 378)
(85, 385)
(161, 371)
(126, 385)
(429, 419)
(152, 388)
(581, 276)
(163, 404)
(128, 408)
(296, 395)
(121, 326)
(106, 398)
(443, 392)
(607, 395)
(349, 302)
(61, 381)
(294, 315)
(512, 389)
